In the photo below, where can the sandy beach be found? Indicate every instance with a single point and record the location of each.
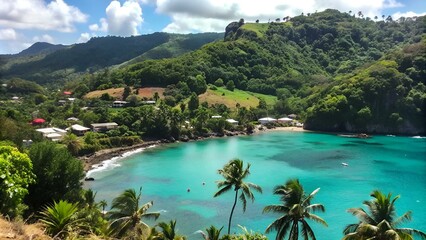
(98, 157)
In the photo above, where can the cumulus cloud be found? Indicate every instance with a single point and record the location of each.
(213, 15)
(121, 20)
(102, 27)
(84, 37)
(397, 15)
(125, 19)
(36, 14)
(7, 34)
(43, 38)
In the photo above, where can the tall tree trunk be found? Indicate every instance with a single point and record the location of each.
(232, 212)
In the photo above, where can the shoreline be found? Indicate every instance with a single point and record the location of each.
(92, 162)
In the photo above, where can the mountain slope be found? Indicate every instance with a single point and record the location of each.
(40, 48)
(387, 96)
(96, 54)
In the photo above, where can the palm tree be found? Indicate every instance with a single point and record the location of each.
(73, 143)
(381, 223)
(128, 214)
(234, 174)
(59, 218)
(296, 207)
(168, 231)
(103, 205)
(212, 233)
(89, 198)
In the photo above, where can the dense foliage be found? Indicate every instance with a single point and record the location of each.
(44, 64)
(15, 176)
(387, 96)
(58, 175)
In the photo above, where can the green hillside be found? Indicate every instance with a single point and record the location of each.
(98, 53)
(295, 60)
(233, 98)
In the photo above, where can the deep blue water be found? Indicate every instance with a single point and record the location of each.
(390, 164)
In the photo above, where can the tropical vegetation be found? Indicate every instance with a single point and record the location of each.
(330, 70)
(380, 222)
(234, 175)
(295, 209)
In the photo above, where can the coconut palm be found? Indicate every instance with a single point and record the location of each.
(296, 208)
(126, 214)
(212, 233)
(381, 223)
(168, 231)
(103, 205)
(73, 143)
(59, 218)
(234, 174)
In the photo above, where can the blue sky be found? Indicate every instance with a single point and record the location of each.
(24, 22)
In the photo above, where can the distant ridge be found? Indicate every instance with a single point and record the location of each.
(40, 48)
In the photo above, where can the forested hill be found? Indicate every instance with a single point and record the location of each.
(44, 62)
(296, 59)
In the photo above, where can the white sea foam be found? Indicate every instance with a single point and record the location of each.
(112, 163)
(390, 135)
(419, 137)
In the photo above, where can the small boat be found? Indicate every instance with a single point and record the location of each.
(362, 135)
(345, 164)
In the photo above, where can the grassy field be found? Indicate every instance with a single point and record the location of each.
(117, 93)
(231, 98)
(258, 28)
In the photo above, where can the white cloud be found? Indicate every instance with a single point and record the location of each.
(44, 38)
(7, 34)
(84, 37)
(124, 20)
(397, 15)
(36, 14)
(121, 20)
(102, 28)
(214, 15)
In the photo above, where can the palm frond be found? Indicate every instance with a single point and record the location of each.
(362, 215)
(406, 217)
(223, 190)
(243, 199)
(316, 218)
(307, 231)
(275, 208)
(316, 207)
(412, 231)
(351, 228)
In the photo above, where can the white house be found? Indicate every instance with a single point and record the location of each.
(119, 103)
(54, 134)
(267, 120)
(285, 120)
(79, 130)
(103, 127)
(232, 121)
(216, 116)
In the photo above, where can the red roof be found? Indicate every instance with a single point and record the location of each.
(67, 93)
(38, 121)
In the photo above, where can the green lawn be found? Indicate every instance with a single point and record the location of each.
(231, 98)
(258, 28)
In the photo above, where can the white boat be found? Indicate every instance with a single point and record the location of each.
(345, 164)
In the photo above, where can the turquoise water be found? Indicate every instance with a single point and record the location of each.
(391, 164)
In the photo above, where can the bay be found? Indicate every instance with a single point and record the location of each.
(388, 163)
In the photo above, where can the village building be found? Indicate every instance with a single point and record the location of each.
(53, 134)
(103, 127)
(79, 130)
(232, 121)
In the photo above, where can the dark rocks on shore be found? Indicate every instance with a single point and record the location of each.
(89, 179)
